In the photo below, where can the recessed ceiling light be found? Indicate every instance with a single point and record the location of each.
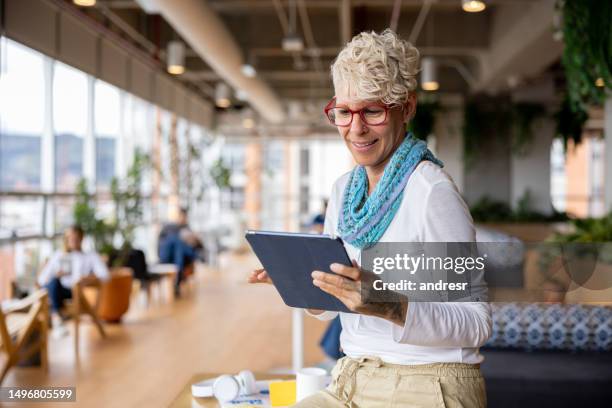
(84, 3)
(473, 6)
(222, 95)
(175, 57)
(429, 81)
(293, 43)
(248, 123)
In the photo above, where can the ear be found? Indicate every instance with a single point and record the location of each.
(410, 107)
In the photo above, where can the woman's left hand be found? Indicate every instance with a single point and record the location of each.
(346, 285)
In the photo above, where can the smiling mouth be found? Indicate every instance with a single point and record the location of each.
(362, 145)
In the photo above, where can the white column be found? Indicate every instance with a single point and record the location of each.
(89, 143)
(47, 173)
(608, 154)
(531, 171)
(123, 150)
(47, 177)
(449, 139)
(292, 185)
(297, 334)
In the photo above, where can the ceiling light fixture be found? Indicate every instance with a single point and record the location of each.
(429, 81)
(248, 70)
(222, 95)
(175, 57)
(248, 123)
(473, 6)
(85, 3)
(248, 120)
(292, 42)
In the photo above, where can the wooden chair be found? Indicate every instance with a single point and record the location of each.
(114, 297)
(18, 321)
(81, 305)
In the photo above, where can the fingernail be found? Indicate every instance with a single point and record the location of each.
(334, 266)
(315, 274)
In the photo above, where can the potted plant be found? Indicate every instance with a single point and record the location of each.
(127, 200)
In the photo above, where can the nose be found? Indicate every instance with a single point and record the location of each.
(357, 125)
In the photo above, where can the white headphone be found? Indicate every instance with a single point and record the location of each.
(229, 387)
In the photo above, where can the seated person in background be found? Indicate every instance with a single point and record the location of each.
(64, 269)
(178, 245)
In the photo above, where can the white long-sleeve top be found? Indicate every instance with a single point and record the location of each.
(79, 264)
(432, 210)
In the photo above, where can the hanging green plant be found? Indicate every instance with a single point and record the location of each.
(587, 55)
(423, 122)
(570, 122)
(524, 114)
(501, 118)
(484, 117)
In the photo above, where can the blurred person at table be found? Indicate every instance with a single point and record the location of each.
(178, 245)
(64, 269)
(399, 353)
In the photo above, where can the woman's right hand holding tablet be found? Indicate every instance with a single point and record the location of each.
(259, 276)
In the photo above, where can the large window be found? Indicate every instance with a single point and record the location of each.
(70, 125)
(141, 116)
(165, 152)
(21, 216)
(107, 125)
(53, 118)
(22, 105)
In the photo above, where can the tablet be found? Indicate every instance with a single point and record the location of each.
(290, 259)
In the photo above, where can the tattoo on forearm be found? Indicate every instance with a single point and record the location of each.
(397, 312)
(393, 310)
(387, 304)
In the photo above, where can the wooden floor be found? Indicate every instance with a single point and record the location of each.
(220, 324)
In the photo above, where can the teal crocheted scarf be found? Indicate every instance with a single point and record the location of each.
(363, 220)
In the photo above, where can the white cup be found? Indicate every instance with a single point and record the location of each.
(309, 381)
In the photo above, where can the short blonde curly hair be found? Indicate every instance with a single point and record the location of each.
(377, 67)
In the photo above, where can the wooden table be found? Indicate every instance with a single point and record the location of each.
(186, 400)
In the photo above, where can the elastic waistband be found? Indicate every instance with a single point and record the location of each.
(433, 369)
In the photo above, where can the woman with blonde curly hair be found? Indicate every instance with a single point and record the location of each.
(400, 353)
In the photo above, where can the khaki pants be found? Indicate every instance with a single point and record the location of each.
(369, 382)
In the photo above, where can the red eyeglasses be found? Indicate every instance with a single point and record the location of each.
(373, 115)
